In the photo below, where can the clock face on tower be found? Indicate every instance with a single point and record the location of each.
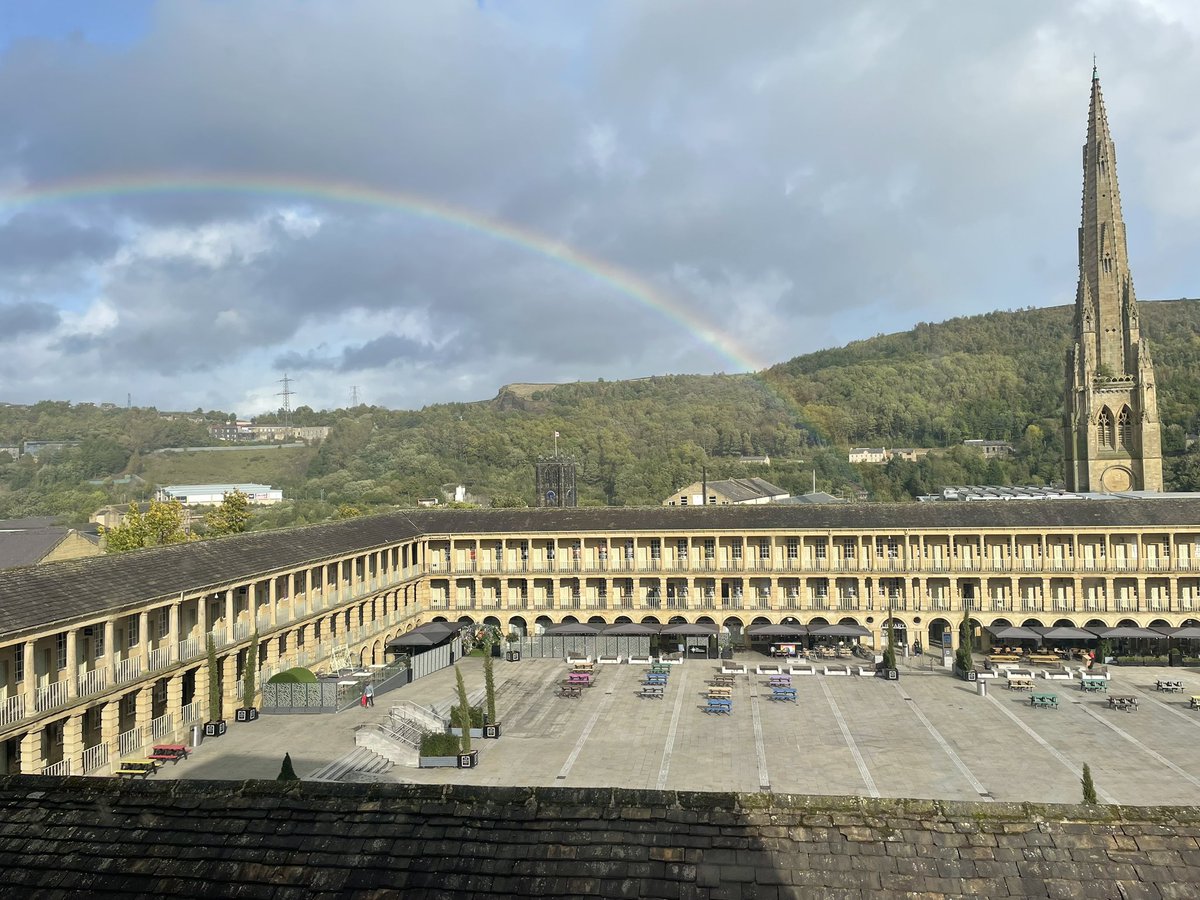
(1116, 478)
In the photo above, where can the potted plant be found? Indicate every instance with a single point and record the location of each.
(513, 655)
(467, 758)
(248, 712)
(438, 751)
(964, 662)
(215, 726)
(887, 669)
(491, 724)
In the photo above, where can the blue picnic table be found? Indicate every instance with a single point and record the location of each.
(783, 693)
(719, 705)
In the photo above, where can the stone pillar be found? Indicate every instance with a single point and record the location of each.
(143, 620)
(32, 760)
(273, 600)
(229, 681)
(110, 729)
(29, 685)
(202, 624)
(73, 743)
(230, 611)
(71, 673)
(110, 647)
(175, 699)
(144, 706)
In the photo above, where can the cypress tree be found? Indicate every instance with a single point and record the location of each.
(464, 711)
(214, 682)
(489, 681)
(286, 772)
(1089, 788)
(248, 686)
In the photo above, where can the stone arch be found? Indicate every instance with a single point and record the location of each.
(1128, 623)
(817, 621)
(847, 620)
(518, 625)
(1032, 623)
(1159, 623)
(1063, 623)
(377, 652)
(677, 620)
(650, 620)
(570, 619)
(542, 623)
(597, 620)
(899, 630)
(934, 632)
(733, 626)
(439, 618)
(623, 620)
(1190, 623)
(465, 620)
(1095, 623)
(789, 620)
(491, 620)
(760, 620)
(1001, 623)
(705, 620)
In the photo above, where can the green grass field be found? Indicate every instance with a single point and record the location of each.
(275, 466)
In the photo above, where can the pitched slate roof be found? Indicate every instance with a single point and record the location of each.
(86, 836)
(36, 596)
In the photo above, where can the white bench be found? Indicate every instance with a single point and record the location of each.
(987, 673)
(608, 660)
(732, 668)
(1063, 674)
(802, 669)
(770, 669)
(837, 669)
(669, 660)
(640, 660)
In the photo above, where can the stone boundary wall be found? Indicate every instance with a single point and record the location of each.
(302, 839)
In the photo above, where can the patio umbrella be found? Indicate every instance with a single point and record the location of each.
(839, 630)
(1012, 633)
(1186, 633)
(569, 628)
(630, 629)
(1126, 631)
(1063, 633)
(687, 628)
(776, 630)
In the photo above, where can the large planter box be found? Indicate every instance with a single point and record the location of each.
(888, 674)
(491, 731)
(248, 714)
(214, 729)
(438, 762)
(468, 760)
(475, 732)
(513, 655)
(966, 674)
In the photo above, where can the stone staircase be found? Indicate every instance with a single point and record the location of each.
(360, 764)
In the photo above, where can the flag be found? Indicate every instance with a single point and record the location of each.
(556, 434)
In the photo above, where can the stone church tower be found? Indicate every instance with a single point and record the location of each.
(1111, 409)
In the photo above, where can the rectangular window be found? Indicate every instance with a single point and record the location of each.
(164, 623)
(848, 548)
(710, 548)
(19, 663)
(735, 548)
(550, 550)
(819, 548)
(682, 501)
(793, 548)
(655, 548)
(134, 637)
(629, 548)
(98, 640)
(764, 548)
(681, 548)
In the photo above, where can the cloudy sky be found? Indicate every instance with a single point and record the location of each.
(426, 200)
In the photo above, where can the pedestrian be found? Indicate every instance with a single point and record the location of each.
(370, 695)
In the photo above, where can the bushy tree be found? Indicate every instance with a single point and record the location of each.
(231, 517)
(162, 523)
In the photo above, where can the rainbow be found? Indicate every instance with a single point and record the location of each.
(347, 192)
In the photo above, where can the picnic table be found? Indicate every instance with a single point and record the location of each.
(719, 705)
(583, 679)
(1045, 659)
(572, 691)
(660, 669)
(654, 691)
(1195, 704)
(783, 693)
(655, 678)
(780, 680)
(1003, 657)
(1093, 684)
(1170, 687)
(723, 680)
(1020, 683)
(1125, 704)
(169, 752)
(723, 692)
(582, 666)
(1043, 701)
(136, 768)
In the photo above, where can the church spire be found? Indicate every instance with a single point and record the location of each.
(1111, 414)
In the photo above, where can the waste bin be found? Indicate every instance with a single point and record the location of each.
(981, 687)
(197, 735)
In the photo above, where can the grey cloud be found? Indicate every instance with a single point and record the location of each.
(26, 318)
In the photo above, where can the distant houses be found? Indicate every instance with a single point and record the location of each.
(34, 541)
(214, 494)
(241, 430)
(882, 455)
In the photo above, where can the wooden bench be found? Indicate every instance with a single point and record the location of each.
(169, 752)
(1094, 684)
(583, 666)
(783, 693)
(1125, 704)
(1044, 701)
(1020, 683)
(136, 768)
(1003, 657)
(719, 706)
(1045, 659)
(1169, 687)
(572, 691)
(654, 691)
(725, 693)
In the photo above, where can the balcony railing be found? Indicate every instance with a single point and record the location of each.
(162, 728)
(92, 682)
(192, 713)
(50, 696)
(95, 758)
(129, 669)
(12, 710)
(62, 767)
(131, 741)
(160, 658)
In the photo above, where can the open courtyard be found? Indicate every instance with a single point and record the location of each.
(928, 735)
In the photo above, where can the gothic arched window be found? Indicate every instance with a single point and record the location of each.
(1125, 428)
(1105, 423)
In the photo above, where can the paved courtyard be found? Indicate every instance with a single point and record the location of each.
(928, 735)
